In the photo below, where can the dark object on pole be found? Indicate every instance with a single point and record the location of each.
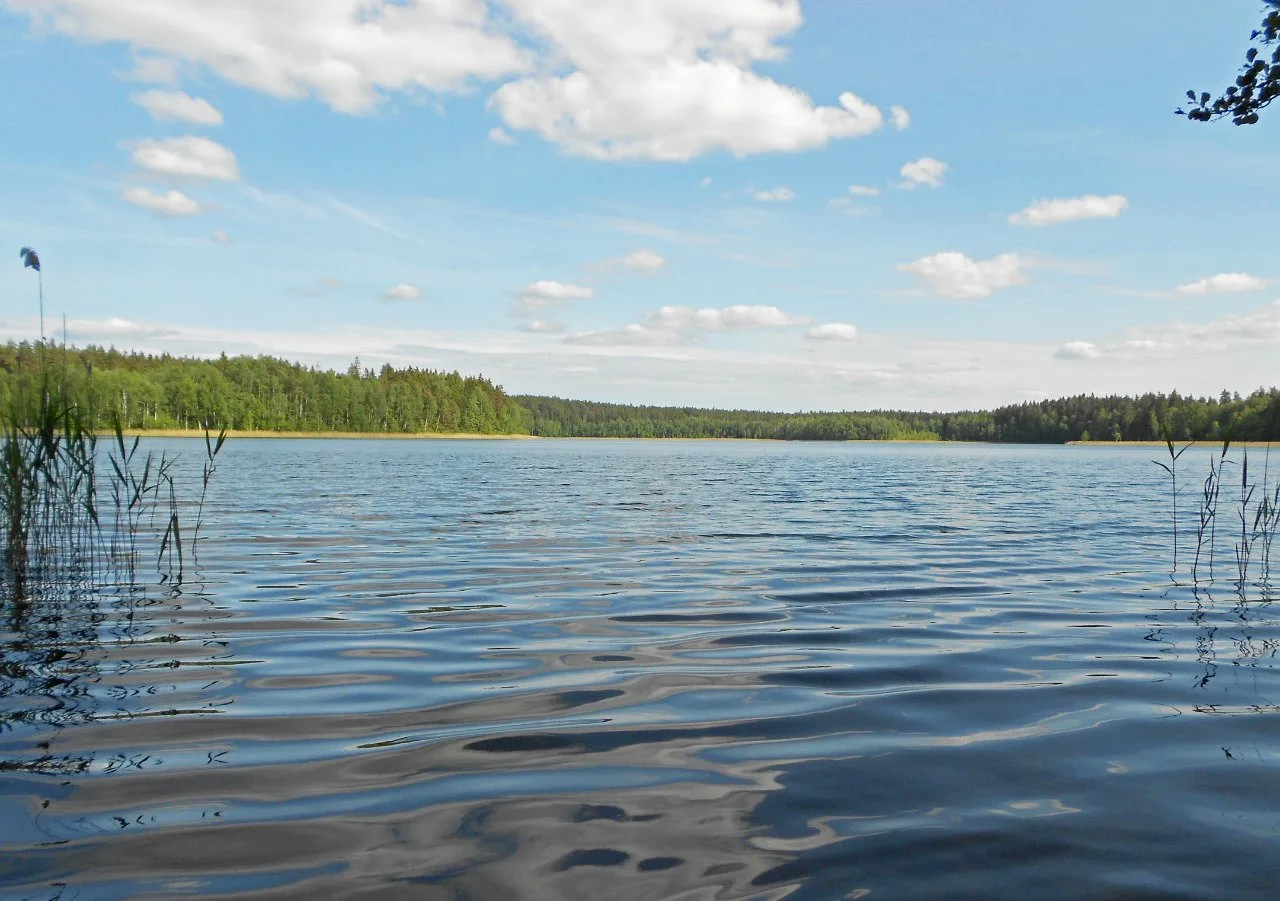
(31, 260)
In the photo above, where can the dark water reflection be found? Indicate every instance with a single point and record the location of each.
(651, 671)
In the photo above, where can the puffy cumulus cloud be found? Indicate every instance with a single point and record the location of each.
(1052, 212)
(189, 157)
(670, 80)
(675, 325)
(863, 191)
(1078, 350)
(542, 295)
(958, 277)
(346, 52)
(900, 117)
(609, 79)
(776, 195)
(924, 172)
(678, 111)
(500, 135)
(644, 260)
(833, 331)
(403, 292)
(557, 292)
(739, 317)
(172, 204)
(1225, 283)
(178, 106)
(543, 327)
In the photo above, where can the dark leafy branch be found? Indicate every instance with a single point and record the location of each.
(1257, 85)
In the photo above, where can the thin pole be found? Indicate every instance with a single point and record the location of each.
(40, 280)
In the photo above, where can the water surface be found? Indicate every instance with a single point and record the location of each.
(666, 670)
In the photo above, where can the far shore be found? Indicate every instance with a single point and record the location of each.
(363, 436)
(468, 436)
(1203, 442)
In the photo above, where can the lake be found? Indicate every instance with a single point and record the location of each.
(666, 670)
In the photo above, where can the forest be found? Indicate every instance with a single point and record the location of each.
(143, 391)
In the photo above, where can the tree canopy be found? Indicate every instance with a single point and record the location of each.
(1257, 85)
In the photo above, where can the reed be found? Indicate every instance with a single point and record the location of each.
(1172, 469)
(55, 484)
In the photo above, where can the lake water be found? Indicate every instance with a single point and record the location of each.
(668, 670)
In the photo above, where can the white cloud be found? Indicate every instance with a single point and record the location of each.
(500, 135)
(900, 117)
(863, 191)
(542, 295)
(403, 292)
(629, 335)
(776, 195)
(1078, 350)
(1226, 283)
(923, 172)
(609, 79)
(557, 291)
(220, 237)
(705, 183)
(670, 80)
(833, 331)
(543, 327)
(346, 52)
(189, 157)
(644, 260)
(114, 327)
(173, 203)
(178, 106)
(672, 326)
(956, 276)
(1052, 212)
(739, 317)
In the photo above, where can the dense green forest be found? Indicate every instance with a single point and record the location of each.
(144, 391)
(1084, 418)
(262, 393)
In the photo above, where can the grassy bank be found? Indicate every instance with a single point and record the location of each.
(1209, 443)
(396, 436)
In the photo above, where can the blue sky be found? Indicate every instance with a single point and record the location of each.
(748, 203)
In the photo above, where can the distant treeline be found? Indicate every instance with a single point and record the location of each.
(257, 393)
(1083, 418)
(144, 391)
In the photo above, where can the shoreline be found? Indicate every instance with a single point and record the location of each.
(1216, 443)
(240, 435)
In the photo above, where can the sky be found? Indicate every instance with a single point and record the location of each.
(765, 204)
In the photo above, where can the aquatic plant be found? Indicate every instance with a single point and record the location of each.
(53, 534)
(1172, 469)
